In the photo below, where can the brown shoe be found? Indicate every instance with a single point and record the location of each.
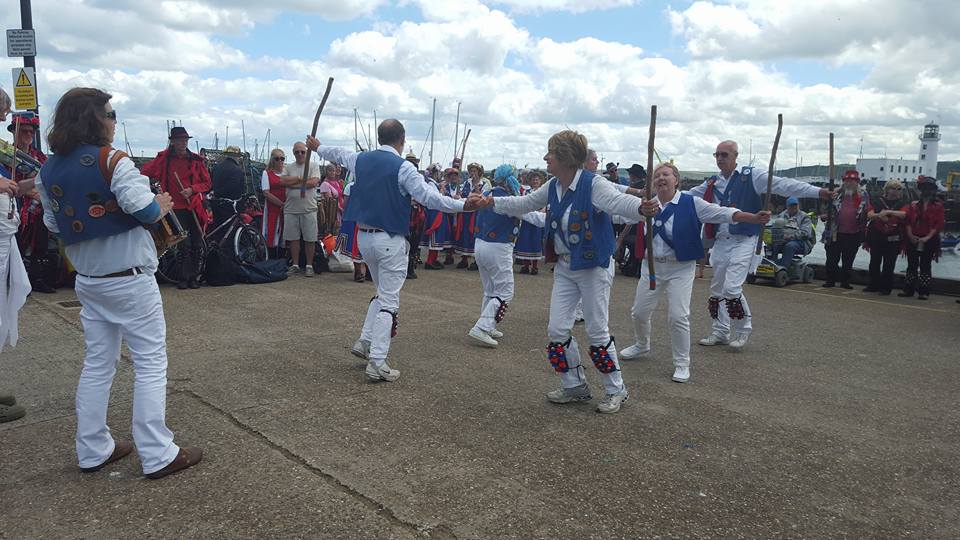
(120, 451)
(188, 457)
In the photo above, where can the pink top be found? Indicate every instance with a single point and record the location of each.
(332, 187)
(847, 221)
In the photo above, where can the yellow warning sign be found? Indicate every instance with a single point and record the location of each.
(24, 88)
(23, 80)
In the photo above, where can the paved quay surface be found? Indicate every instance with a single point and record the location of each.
(839, 419)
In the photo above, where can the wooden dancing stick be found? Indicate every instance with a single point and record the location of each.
(196, 220)
(827, 221)
(769, 194)
(316, 120)
(13, 167)
(649, 195)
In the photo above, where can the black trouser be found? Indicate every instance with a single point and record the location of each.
(188, 256)
(883, 257)
(844, 249)
(918, 269)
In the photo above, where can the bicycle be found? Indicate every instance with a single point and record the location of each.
(235, 235)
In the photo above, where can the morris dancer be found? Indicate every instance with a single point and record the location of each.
(380, 205)
(924, 221)
(36, 244)
(193, 174)
(496, 234)
(100, 213)
(580, 239)
(274, 193)
(677, 246)
(466, 222)
(529, 248)
(437, 231)
(732, 256)
(347, 240)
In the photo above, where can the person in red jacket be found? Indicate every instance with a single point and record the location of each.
(925, 220)
(194, 181)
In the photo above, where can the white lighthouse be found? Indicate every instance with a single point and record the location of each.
(929, 141)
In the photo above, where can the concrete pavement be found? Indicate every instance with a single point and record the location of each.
(838, 419)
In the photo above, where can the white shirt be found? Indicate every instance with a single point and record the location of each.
(606, 197)
(706, 212)
(8, 226)
(130, 249)
(410, 180)
(781, 186)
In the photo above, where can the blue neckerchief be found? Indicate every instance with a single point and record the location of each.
(660, 224)
(725, 196)
(560, 211)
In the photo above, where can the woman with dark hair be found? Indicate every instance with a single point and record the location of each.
(101, 206)
(580, 240)
(925, 219)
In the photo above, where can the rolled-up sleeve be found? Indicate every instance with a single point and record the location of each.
(785, 187)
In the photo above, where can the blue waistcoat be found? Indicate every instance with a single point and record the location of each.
(80, 196)
(589, 234)
(686, 241)
(494, 227)
(375, 197)
(740, 194)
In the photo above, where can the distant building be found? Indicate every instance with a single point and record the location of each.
(882, 170)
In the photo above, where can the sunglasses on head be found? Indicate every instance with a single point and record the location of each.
(721, 154)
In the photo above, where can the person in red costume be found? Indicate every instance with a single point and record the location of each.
(924, 221)
(195, 179)
(37, 245)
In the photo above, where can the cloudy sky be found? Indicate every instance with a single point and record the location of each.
(869, 70)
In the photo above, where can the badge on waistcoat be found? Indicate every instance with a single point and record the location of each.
(56, 190)
(588, 236)
(97, 211)
(77, 226)
(492, 234)
(54, 205)
(584, 215)
(87, 160)
(574, 227)
(68, 211)
(111, 206)
(588, 255)
(574, 239)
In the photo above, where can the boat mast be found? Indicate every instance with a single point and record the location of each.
(456, 133)
(433, 119)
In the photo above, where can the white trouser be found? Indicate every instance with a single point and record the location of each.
(593, 286)
(14, 288)
(386, 258)
(732, 258)
(675, 279)
(127, 308)
(495, 262)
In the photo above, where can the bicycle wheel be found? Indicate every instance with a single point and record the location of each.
(167, 268)
(249, 245)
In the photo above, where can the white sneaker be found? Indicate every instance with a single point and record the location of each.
(566, 395)
(612, 402)
(483, 337)
(712, 340)
(633, 352)
(361, 349)
(495, 334)
(681, 375)
(308, 271)
(295, 269)
(740, 341)
(382, 373)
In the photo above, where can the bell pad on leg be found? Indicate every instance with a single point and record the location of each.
(557, 355)
(396, 321)
(601, 357)
(501, 311)
(713, 305)
(735, 308)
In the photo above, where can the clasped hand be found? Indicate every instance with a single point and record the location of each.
(477, 201)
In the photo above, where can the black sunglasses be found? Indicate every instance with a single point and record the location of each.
(721, 154)
(279, 158)
(112, 115)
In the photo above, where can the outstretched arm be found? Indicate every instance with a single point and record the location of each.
(518, 205)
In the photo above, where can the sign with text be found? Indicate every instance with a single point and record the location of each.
(24, 88)
(21, 42)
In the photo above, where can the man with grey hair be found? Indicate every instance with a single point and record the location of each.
(733, 255)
